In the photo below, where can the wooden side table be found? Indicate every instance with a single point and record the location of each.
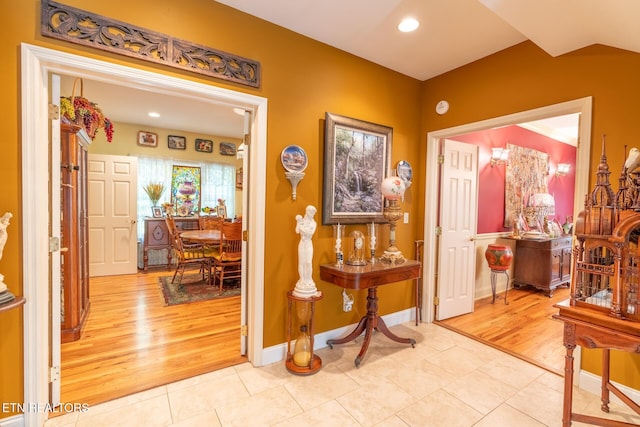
(369, 277)
(591, 328)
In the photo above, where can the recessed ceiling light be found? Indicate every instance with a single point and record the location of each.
(408, 24)
(154, 114)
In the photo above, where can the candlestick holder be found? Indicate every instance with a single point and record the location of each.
(338, 235)
(372, 231)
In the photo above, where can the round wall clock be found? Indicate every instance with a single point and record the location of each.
(294, 159)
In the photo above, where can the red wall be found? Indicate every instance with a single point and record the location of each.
(491, 179)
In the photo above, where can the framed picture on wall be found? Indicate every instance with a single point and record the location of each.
(227, 149)
(177, 142)
(357, 157)
(147, 139)
(204, 145)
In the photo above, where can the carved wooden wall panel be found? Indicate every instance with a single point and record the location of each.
(88, 29)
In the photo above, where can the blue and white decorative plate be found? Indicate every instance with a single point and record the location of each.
(405, 172)
(294, 159)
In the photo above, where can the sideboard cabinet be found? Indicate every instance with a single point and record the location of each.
(156, 236)
(544, 264)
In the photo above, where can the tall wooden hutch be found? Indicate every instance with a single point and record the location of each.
(74, 287)
(603, 311)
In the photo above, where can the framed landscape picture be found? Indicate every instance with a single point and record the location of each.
(227, 148)
(177, 142)
(357, 157)
(204, 145)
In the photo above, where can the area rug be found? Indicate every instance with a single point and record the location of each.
(194, 289)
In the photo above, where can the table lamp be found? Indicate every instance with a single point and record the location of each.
(392, 189)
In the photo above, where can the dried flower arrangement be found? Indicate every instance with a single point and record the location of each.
(85, 113)
(154, 190)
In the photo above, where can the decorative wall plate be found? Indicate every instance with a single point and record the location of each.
(405, 172)
(294, 159)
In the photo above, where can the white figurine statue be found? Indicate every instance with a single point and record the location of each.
(305, 227)
(4, 223)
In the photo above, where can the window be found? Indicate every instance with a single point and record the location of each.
(218, 181)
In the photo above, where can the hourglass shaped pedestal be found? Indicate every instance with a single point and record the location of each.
(300, 312)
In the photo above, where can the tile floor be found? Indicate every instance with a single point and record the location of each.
(446, 380)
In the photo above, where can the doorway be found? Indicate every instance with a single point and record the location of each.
(37, 64)
(430, 266)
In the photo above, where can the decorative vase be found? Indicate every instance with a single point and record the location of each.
(187, 188)
(498, 257)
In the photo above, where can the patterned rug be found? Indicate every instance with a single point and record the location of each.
(194, 289)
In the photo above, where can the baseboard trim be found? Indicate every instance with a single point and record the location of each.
(593, 384)
(277, 352)
(13, 421)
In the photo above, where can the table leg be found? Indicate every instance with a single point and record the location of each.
(568, 375)
(367, 324)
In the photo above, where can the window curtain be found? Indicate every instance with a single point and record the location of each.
(217, 182)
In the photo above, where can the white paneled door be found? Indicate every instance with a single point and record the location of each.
(458, 218)
(112, 215)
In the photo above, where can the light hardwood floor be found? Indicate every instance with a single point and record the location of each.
(524, 328)
(133, 342)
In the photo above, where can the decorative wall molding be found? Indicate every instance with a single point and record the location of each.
(88, 29)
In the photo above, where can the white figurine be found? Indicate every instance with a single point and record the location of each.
(305, 227)
(4, 223)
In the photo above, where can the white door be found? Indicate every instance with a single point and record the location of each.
(458, 218)
(112, 215)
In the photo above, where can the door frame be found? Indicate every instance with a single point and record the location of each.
(583, 151)
(37, 63)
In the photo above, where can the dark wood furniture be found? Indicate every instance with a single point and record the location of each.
(369, 277)
(544, 264)
(74, 257)
(602, 311)
(156, 236)
(595, 329)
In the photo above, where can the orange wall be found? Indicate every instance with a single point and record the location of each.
(304, 79)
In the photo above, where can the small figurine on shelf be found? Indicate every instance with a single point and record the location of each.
(5, 295)
(305, 227)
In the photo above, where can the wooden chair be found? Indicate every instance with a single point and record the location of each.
(210, 222)
(227, 261)
(187, 254)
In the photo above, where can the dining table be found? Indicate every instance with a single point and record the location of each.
(201, 236)
(205, 237)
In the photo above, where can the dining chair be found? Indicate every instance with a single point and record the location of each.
(227, 260)
(210, 222)
(187, 254)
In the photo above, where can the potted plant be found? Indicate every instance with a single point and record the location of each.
(154, 190)
(82, 112)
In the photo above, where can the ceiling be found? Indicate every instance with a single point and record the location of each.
(452, 33)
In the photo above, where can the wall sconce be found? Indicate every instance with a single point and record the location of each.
(499, 156)
(562, 169)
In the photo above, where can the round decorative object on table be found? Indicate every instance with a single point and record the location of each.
(499, 258)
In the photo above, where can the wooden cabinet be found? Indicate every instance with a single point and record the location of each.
(74, 287)
(543, 264)
(156, 236)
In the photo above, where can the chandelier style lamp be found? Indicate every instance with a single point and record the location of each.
(392, 189)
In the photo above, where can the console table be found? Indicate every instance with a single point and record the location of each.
(369, 277)
(156, 235)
